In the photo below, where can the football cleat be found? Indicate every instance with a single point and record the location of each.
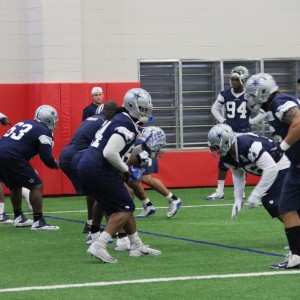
(5, 219)
(215, 196)
(42, 225)
(292, 262)
(22, 221)
(91, 238)
(95, 250)
(146, 211)
(86, 228)
(174, 206)
(143, 250)
(122, 244)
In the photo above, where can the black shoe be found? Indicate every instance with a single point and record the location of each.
(87, 228)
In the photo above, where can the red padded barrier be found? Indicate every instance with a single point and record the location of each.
(116, 90)
(192, 169)
(176, 169)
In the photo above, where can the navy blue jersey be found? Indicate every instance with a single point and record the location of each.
(249, 148)
(27, 139)
(120, 124)
(236, 113)
(89, 111)
(278, 107)
(81, 140)
(86, 132)
(97, 176)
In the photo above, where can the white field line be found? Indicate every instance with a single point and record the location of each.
(109, 283)
(158, 207)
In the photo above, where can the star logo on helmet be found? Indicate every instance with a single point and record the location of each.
(136, 95)
(255, 82)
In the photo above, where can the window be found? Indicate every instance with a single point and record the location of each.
(183, 92)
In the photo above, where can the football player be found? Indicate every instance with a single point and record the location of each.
(154, 139)
(237, 116)
(252, 154)
(19, 144)
(81, 140)
(102, 170)
(284, 119)
(4, 217)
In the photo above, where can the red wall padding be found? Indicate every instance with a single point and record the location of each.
(192, 169)
(19, 101)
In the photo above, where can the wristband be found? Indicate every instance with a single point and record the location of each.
(284, 145)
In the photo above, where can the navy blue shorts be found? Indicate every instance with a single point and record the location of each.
(290, 194)
(17, 172)
(109, 191)
(271, 199)
(65, 163)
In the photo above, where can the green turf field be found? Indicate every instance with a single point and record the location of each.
(205, 255)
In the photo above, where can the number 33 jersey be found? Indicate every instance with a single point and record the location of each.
(27, 139)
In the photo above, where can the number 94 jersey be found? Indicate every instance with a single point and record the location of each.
(236, 113)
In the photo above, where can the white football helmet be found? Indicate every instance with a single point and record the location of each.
(47, 115)
(259, 87)
(154, 138)
(241, 73)
(138, 104)
(220, 139)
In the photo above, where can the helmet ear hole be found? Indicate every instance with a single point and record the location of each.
(220, 139)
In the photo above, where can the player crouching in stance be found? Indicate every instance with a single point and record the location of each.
(284, 120)
(153, 139)
(102, 171)
(252, 154)
(19, 144)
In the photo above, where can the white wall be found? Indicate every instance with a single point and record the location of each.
(102, 40)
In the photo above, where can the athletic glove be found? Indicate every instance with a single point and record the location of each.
(136, 174)
(253, 201)
(4, 121)
(237, 207)
(144, 159)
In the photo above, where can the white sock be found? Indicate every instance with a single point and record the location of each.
(95, 235)
(169, 197)
(1, 208)
(145, 201)
(103, 239)
(135, 239)
(89, 222)
(220, 188)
